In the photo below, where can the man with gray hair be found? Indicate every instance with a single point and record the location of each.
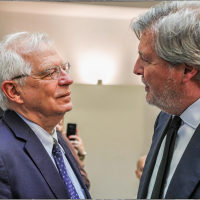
(35, 162)
(169, 64)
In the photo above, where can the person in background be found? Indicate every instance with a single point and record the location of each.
(35, 161)
(169, 66)
(140, 166)
(75, 146)
(139, 169)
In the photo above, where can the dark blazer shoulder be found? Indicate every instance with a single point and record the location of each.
(162, 117)
(161, 121)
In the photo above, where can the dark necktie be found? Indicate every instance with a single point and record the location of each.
(57, 154)
(166, 159)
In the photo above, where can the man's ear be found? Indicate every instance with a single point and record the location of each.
(10, 90)
(189, 72)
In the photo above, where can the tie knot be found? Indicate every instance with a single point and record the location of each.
(176, 122)
(56, 148)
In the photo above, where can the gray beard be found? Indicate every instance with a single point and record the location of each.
(168, 100)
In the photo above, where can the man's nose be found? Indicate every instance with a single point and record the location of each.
(65, 78)
(138, 68)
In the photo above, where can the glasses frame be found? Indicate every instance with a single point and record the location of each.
(67, 64)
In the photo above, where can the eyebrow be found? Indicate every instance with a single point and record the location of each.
(144, 55)
(54, 66)
(140, 53)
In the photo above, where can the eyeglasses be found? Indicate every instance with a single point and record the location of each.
(53, 72)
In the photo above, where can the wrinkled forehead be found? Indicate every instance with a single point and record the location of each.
(147, 41)
(150, 33)
(43, 58)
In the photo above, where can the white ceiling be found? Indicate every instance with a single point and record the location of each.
(94, 37)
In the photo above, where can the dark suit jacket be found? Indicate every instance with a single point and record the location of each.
(1, 111)
(185, 182)
(26, 169)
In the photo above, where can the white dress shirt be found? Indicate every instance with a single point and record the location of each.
(190, 120)
(47, 141)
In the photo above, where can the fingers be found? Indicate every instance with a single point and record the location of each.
(74, 137)
(77, 132)
(75, 143)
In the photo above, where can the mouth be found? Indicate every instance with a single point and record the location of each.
(146, 85)
(65, 95)
(146, 88)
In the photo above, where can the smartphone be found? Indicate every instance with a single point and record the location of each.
(71, 129)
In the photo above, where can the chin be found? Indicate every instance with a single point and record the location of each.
(151, 100)
(148, 97)
(62, 109)
(68, 107)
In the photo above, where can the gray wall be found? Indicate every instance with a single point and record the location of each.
(116, 125)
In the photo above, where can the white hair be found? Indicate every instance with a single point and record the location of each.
(176, 29)
(12, 63)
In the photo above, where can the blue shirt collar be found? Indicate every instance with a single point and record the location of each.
(45, 138)
(191, 116)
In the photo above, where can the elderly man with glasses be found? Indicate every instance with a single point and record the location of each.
(35, 162)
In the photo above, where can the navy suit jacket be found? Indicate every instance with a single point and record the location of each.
(26, 169)
(185, 182)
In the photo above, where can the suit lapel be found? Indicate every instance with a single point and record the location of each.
(45, 165)
(37, 153)
(187, 173)
(152, 156)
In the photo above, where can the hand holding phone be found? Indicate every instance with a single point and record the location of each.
(71, 130)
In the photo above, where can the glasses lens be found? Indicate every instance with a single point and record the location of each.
(66, 67)
(55, 72)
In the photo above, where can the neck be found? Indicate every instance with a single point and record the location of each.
(188, 99)
(46, 122)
